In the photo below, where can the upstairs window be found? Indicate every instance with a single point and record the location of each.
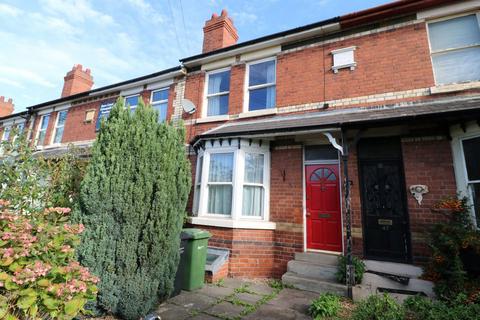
(60, 124)
(261, 85)
(42, 129)
(6, 133)
(159, 102)
(455, 49)
(105, 109)
(132, 102)
(218, 88)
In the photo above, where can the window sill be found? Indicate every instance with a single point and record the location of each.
(213, 119)
(455, 87)
(258, 113)
(234, 224)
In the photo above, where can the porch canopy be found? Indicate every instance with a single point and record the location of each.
(444, 112)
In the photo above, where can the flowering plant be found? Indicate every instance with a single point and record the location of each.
(39, 276)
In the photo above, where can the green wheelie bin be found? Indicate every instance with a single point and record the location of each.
(195, 255)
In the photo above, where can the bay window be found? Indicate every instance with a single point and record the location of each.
(217, 93)
(261, 85)
(232, 185)
(455, 49)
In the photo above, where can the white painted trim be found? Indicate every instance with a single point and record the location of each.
(163, 84)
(218, 64)
(260, 54)
(258, 113)
(351, 48)
(131, 92)
(53, 109)
(304, 202)
(448, 9)
(455, 87)
(246, 96)
(333, 253)
(224, 117)
(37, 134)
(230, 223)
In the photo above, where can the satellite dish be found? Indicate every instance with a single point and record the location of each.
(188, 106)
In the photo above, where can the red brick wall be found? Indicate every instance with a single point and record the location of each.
(76, 129)
(429, 163)
(237, 80)
(388, 61)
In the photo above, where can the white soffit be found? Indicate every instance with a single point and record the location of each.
(451, 9)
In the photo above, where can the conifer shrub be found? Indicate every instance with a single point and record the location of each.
(132, 203)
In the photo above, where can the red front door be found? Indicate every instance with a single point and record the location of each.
(324, 223)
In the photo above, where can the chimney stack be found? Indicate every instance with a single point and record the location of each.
(6, 107)
(219, 32)
(77, 80)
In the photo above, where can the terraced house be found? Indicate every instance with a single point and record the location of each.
(384, 102)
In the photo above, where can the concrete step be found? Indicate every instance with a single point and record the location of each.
(317, 258)
(417, 285)
(313, 284)
(312, 270)
(399, 269)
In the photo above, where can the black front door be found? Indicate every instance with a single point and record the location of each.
(385, 216)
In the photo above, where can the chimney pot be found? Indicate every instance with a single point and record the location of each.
(77, 80)
(6, 107)
(219, 32)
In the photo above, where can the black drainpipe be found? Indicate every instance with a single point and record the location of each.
(350, 272)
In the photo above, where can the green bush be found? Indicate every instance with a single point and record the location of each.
(358, 265)
(39, 277)
(326, 305)
(378, 307)
(425, 309)
(447, 240)
(132, 203)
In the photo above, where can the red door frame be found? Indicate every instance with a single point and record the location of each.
(323, 216)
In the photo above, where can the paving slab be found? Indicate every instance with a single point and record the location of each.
(269, 312)
(248, 297)
(293, 299)
(235, 283)
(260, 288)
(225, 310)
(203, 316)
(193, 301)
(168, 311)
(215, 291)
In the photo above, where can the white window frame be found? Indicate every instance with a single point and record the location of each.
(236, 218)
(55, 128)
(129, 96)
(206, 95)
(37, 135)
(160, 101)
(18, 132)
(432, 53)
(246, 95)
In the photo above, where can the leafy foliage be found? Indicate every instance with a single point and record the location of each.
(358, 266)
(425, 309)
(448, 240)
(132, 203)
(326, 305)
(39, 276)
(379, 307)
(32, 183)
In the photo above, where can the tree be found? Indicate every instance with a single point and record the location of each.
(132, 203)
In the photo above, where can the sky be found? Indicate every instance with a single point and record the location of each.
(122, 39)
